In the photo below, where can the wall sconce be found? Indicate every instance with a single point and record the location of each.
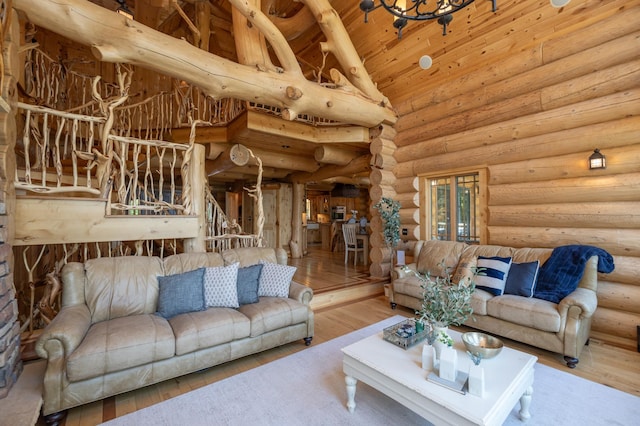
(124, 10)
(597, 160)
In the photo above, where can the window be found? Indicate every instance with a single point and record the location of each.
(453, 207)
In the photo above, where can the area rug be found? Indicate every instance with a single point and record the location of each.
(307, 388)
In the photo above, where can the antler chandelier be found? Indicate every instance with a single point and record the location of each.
(418, 10)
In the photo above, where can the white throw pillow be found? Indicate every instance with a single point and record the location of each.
(275, 279)
(220, 286)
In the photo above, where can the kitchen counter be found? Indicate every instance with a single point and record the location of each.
(325, 235)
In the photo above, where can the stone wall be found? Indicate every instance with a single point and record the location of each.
(10, 363)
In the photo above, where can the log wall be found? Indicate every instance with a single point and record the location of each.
(531, 114)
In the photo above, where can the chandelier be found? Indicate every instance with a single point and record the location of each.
(418, 10)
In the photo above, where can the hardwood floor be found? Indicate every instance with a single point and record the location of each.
(324, 270)
(612, 366)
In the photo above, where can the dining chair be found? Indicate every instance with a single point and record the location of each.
(337, 240)
(351, 243)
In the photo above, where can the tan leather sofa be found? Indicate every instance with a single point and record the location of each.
(106, 339)
(561, 328)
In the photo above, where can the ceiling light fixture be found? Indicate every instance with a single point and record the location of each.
(419, 10)
(124, 10)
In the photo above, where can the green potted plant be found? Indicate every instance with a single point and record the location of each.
(390, 214)
(444, 303)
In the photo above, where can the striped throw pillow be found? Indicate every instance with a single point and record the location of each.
(492, 274)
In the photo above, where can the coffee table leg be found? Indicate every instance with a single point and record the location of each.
(525, 402)
(351, 392)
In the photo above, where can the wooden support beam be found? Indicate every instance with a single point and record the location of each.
(294, 26)
(48, 220)
(235, 155)
(203, 19)
(276, 126)
(269, 158)
(114, 38)
(251, 46)
(333, 155)
(357, 165)
(271, 125)
(210, 134)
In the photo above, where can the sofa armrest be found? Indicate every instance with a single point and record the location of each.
(586, 300)
(403, 271)
(69, 328)
(301, 293)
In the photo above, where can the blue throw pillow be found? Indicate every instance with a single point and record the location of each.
(180, 293)
(248, 282)
(492, 274)
(522, 278)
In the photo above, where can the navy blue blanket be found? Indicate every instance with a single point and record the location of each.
(561, 273)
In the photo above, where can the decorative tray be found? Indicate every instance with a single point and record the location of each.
(404, 334)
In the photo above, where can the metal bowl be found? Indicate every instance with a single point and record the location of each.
(481, 345)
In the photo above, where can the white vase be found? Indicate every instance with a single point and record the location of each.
(437, 344)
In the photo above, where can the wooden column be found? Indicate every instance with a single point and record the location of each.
(296, 221)
(203, 17)
(234, 156)
(382, 185)
(198, 180)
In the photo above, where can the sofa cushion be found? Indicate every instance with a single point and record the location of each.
(528, 254)
(492, 274)
(181, 293)
(185, 262)
(479, 299)
(275, 279)
(249, 256)
(488, 251)
(121, 286)
(522, 278)
(221, 286)
(208, 328)
(528, 312)
(434, 253)
(119, 344)
(272, 313)
(247, 284)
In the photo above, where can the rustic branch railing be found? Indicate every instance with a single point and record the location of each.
(103, 145)
(64, 153)
(74, 136)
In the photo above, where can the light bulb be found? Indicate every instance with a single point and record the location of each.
(425, 62)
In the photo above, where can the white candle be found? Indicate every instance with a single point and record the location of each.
(448, 364)
(476, 381)
(428, 356)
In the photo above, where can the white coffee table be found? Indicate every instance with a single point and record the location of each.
(398, 374)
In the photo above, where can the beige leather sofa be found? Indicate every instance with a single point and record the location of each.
(107, 340)
(561, 328)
